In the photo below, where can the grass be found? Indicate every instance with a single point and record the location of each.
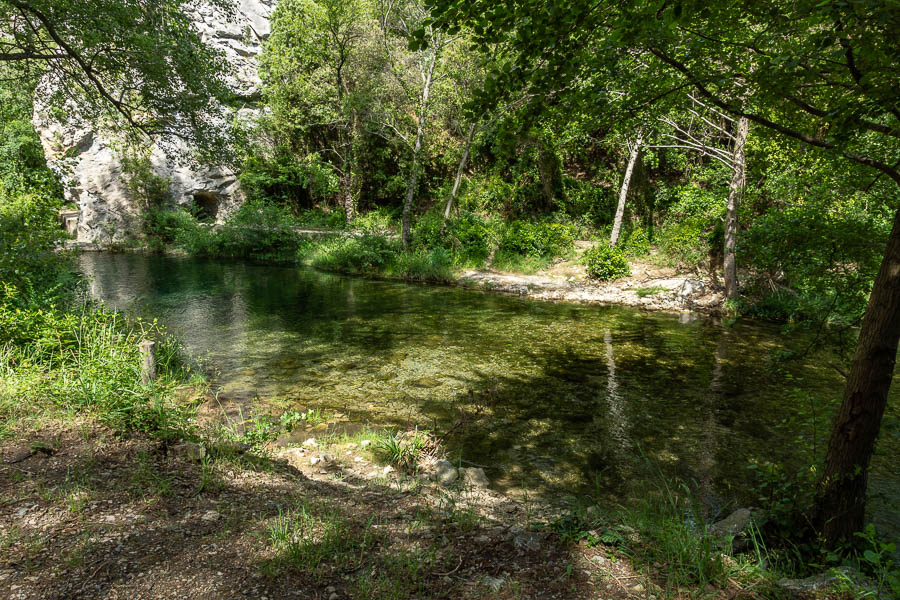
(643, 292)
(316, 539)
(397, 575)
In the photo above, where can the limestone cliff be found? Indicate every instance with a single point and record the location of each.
(92, 168)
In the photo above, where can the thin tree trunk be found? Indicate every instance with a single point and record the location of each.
(623, 191)
(349, 200)
(738, 177)
(459, 173)
(841, 493)
(417, 150)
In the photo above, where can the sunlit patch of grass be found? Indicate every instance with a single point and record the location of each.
(315, 538)
(643, 292)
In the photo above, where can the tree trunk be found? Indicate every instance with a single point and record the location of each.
(550, 173)
(738, 177)
(349, 200)
(623, 191)
(459, 174)
(417, 150)
(841, 494)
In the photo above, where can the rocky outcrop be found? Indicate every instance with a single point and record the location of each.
(91, 167)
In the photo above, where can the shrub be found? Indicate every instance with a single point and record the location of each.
(380, 220)
(685, 243)
(543, 240)
(326, 219)
(425, 265)
(605, 263)
(468, 238)
(637, 243)
(31, 270)
(368, 254)
(165, 226)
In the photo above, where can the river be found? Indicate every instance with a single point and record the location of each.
(555, 399)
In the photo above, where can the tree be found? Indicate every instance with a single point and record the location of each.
(634, 150)
(821, 72)
(715, 125)
(416, 73)
(319, 82)
(140, 63)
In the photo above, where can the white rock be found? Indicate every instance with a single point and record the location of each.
(365, 443)
(311, 443)
(211, 516)
(475, 477)
(92, 170)
(445, 473)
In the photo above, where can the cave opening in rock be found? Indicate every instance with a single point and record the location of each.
(207, 206)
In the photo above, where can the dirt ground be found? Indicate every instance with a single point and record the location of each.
(85, 514)
(650, 286)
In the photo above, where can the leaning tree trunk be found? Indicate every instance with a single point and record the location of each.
(623, 191)
(459, 173)
(738, 177)
(841, 494)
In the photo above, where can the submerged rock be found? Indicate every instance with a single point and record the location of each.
(733, 524)
(811, 586)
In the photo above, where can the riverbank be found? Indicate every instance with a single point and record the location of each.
(649, 286)
(90, 513)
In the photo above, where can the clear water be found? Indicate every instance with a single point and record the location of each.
(557, 398)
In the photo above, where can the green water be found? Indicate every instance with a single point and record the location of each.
(555, 398)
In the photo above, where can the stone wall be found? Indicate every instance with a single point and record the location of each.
(91, 167)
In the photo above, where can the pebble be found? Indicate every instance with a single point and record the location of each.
(365, 443)
(210, 516)
(311, 442)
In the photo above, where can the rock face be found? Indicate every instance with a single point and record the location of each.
(92, 170)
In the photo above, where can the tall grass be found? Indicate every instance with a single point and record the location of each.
(88, 363)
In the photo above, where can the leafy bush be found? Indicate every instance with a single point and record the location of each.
(824, 257)
(606, 263)
(284, 179)
(586, 203)
(637, 243)
(366, 255)
(468, 237)
(325, 219)
(32, 272)
(684, 243)
(380, 220)
(544, 240)
(424, 265)
(165, 226)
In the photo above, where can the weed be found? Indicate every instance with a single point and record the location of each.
(397, 575)
(643, 292)
(404, 451)
(310, 536)
(147, 481)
